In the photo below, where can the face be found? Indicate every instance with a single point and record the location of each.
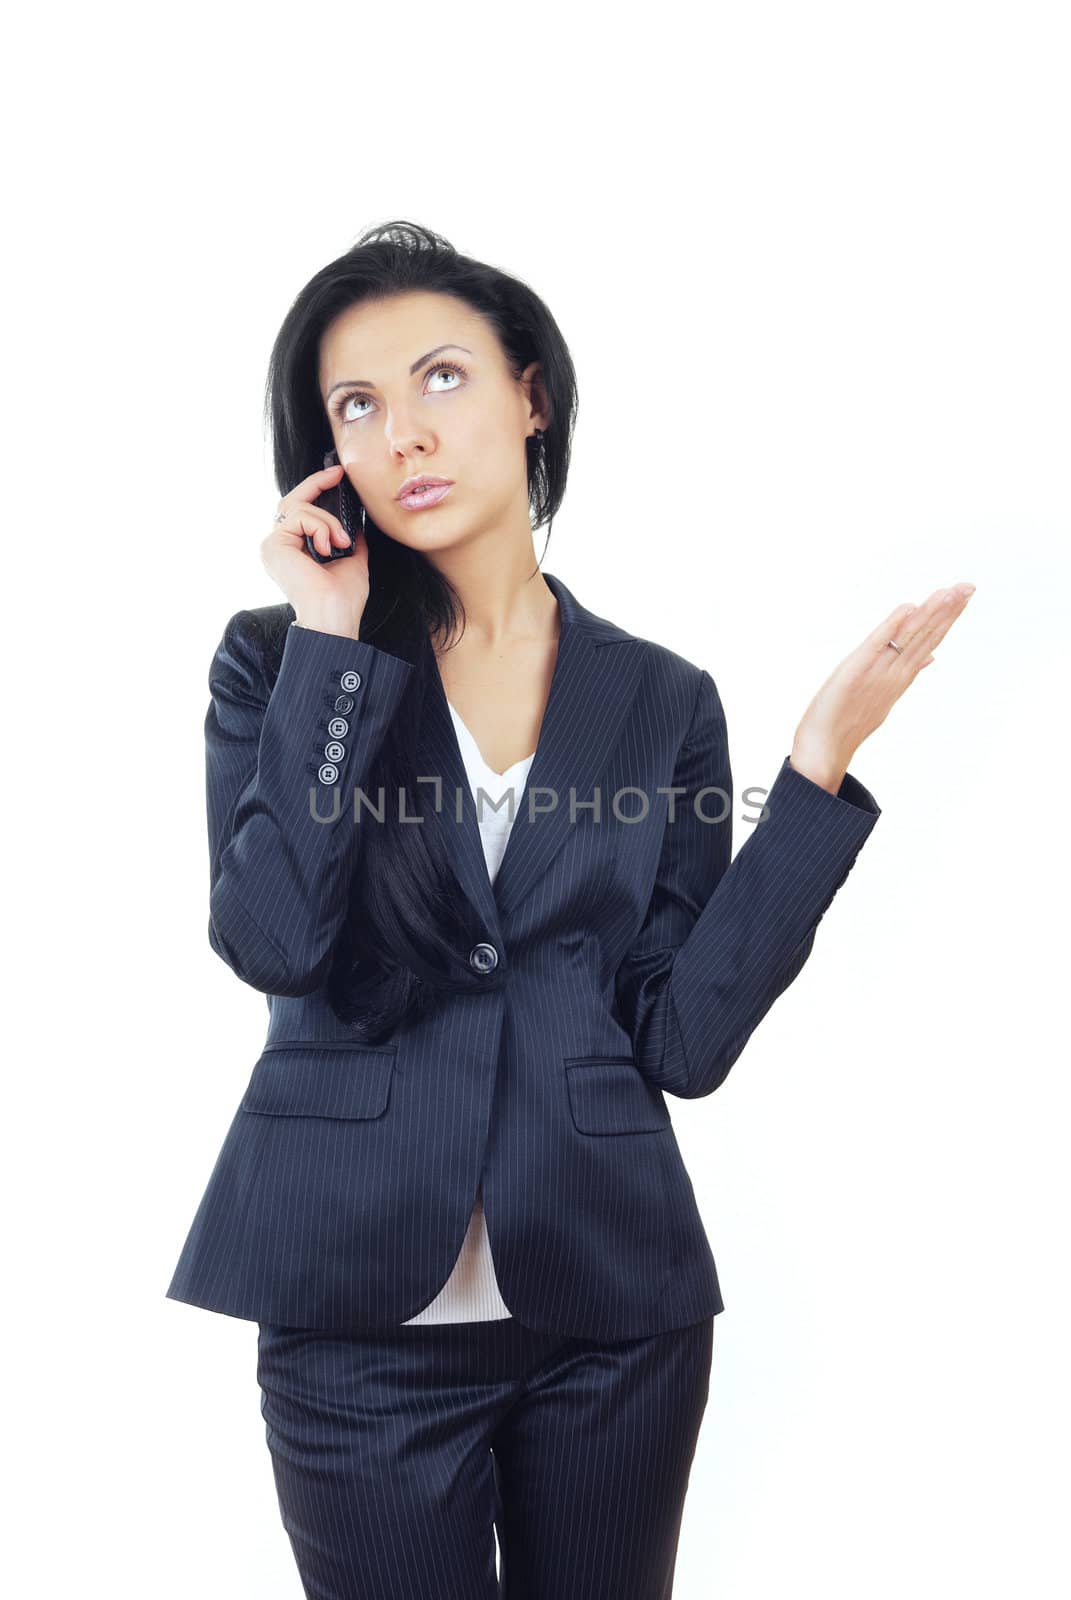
(419, 383)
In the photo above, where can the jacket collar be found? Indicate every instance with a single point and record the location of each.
(595, 679)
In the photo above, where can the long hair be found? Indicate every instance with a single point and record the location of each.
(409, 927)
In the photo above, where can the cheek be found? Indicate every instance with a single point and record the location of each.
(493, 444)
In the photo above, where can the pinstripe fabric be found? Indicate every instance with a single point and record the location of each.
(471, 1293)
(397, 1456)
(636, 956)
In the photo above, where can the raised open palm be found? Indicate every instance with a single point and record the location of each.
(859, 694)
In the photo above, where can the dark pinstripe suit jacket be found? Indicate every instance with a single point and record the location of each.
(635, 958)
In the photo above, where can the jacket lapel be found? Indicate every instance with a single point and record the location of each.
(594, 683)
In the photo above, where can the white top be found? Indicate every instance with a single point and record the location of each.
(471, 1293)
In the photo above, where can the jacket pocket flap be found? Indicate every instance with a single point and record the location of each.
(321, 1080)
(609, 1094)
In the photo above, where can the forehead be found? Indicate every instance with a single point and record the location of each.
(383, 337)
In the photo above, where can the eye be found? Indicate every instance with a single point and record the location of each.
(341, 406)
(447, 366)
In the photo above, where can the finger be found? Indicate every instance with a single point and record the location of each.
(290, 505)
(314, 484)
(923, 631)
(310, 488)
(302, 522)
(316, 516)
(892, 627)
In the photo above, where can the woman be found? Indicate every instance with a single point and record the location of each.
(452, 1198)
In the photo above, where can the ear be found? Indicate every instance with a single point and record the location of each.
(532, 378)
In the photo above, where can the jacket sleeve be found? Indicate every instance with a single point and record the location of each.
(279, 876)
(724, 937)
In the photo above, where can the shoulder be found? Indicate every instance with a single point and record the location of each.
(665, 666)
(680, 695)
(671, 667)
(689, 689)
(669, 673)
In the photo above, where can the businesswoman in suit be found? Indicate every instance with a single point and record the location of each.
(451, 1197)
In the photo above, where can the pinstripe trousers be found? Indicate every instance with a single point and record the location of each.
(401, 1457)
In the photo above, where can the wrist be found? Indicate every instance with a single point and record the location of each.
(815, 760)
(341, 629)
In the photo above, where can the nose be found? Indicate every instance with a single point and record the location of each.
(403, 437)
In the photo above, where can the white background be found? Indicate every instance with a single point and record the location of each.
(812, 263)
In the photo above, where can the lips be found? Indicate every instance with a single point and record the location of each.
(423, 480)
(431, 494)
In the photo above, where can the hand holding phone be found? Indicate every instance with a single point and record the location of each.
(312, 519)
(340, 503)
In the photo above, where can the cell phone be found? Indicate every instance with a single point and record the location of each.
(342, 502)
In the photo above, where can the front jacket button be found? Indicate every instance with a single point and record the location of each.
(483, 958)
(351, 680)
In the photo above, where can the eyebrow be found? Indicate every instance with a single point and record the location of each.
(365, 383)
